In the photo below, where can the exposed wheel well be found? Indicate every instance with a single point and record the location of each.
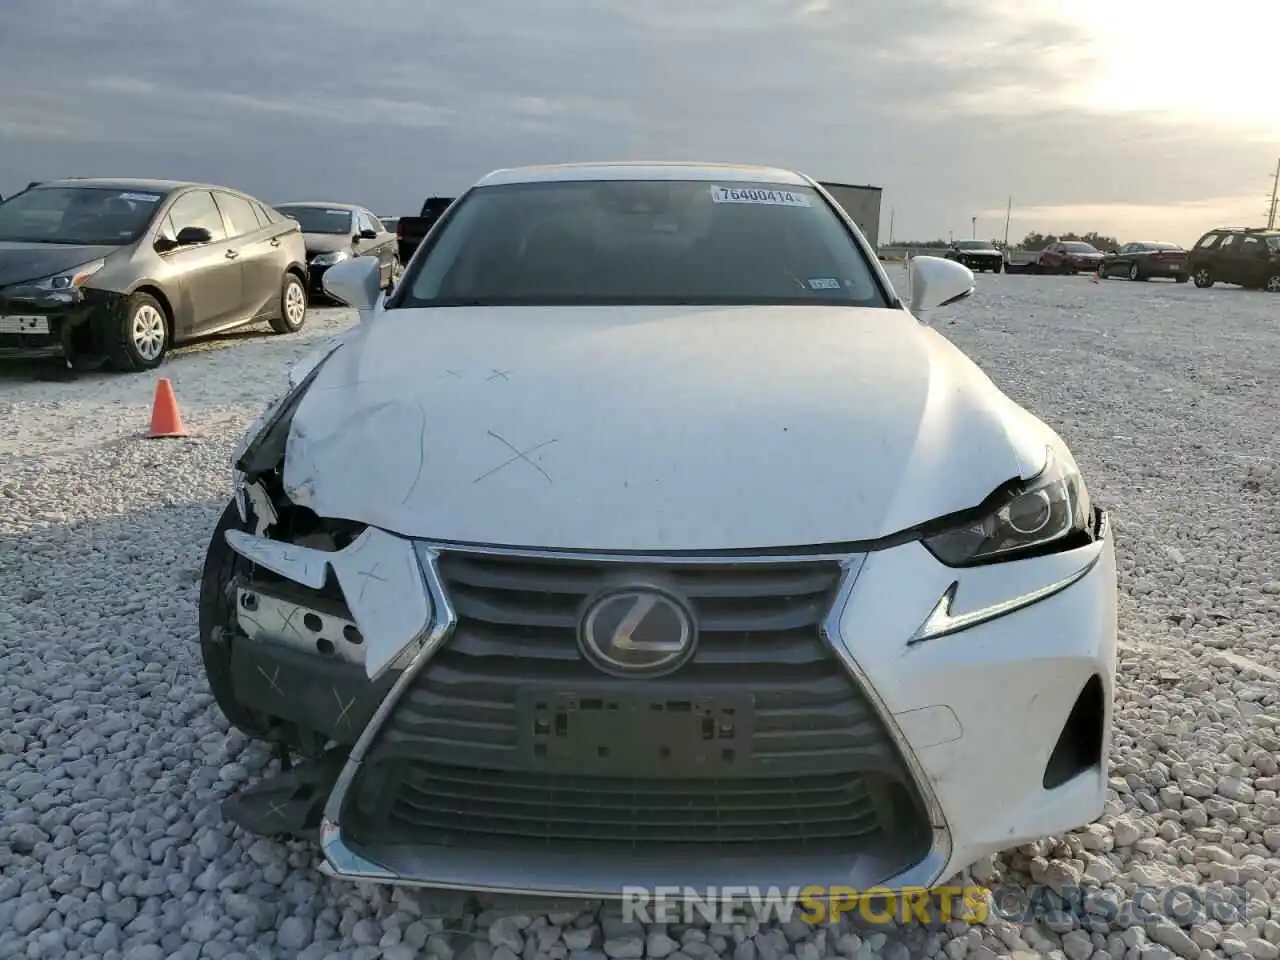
(298, 272)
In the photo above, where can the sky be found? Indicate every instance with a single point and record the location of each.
(1141, 121)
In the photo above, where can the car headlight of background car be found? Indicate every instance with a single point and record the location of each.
(1052, 509)
(67, 279)
(329, 259)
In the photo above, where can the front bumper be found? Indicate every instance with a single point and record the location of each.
(970, 726)
(37, 324)
(992, 262)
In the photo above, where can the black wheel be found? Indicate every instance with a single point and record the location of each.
(139, 340)
(221, 564)
(1180, 278)
(1273, 283)
(998, 268)
(1203, 278)
(1135, 273)
(293, 306)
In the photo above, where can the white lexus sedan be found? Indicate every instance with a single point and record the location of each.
(644, 536)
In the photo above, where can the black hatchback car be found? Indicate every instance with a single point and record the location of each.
(977, 255)
(334, 232)
(1248, 258)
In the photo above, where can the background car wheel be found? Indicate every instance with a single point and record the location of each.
(293, 306)
(998, 268)
(141, 339)
(1134, 272)
(1203, 278)
(1273, 283)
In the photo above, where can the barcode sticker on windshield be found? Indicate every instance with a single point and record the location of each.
(140, 197)
(824, 283)
(775, 198)
(336, 213)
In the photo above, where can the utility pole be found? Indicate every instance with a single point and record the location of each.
(1008, 212)
(891, 226)
(1275, 199)
(973, 222)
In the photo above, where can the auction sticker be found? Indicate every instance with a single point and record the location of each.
(824, 283)
(140, 197)
(773, 198)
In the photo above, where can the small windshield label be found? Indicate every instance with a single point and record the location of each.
(824, 283)
(775, 198)
(336, 213)
(141, 197)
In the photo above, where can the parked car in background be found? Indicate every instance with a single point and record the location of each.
(976, 255)
(111, 270)
(1246, 257)
(735, 515)
(1144, 259)
(411, 230)
(334, 232)
(390, 223)
(1068, 256)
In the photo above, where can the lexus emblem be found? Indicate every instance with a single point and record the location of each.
(637, 632)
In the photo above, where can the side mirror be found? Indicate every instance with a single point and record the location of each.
(934, 282)
(367, 234)
(356, 282)
(190, 236)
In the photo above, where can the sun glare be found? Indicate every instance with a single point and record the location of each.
(1181, 60)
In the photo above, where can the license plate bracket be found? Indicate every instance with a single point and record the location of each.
(24, 323)
(635, 735)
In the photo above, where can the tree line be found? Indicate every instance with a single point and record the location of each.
(1032, 241)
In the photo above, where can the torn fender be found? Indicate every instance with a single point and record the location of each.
(380, 578)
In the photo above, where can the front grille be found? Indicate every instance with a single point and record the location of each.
(806, 762)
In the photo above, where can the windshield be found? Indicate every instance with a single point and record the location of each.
(319, 219)
(973, 245)
(631, 242)
(83, 216)
(1080, 247)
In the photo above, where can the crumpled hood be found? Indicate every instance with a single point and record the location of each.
(652, 428)
(21, 262)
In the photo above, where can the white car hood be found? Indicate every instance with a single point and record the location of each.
(652, 428)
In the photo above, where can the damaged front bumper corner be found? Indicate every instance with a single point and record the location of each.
(38, 323)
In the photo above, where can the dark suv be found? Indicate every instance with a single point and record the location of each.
(1249, 258)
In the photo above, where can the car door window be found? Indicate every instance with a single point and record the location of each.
(264, 219)
(197, 209)
(1251, 246)
(1230, 244)
(369, 222)
(239, 214)
(1207, 241)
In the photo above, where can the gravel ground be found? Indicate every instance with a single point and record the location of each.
(112, 755)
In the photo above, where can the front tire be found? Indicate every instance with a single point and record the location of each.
(140, 339)
(1273, 283)
(293, 306)
(1203, 278)
(1135, 273)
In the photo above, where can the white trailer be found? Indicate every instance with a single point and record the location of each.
(862, 203)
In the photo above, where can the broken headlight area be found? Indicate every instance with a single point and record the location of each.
(1048, 513)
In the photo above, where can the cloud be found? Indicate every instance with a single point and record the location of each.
(949, 106)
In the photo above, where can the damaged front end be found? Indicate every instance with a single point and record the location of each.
(72, 321)
(306, 622)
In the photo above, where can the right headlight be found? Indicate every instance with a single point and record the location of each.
(1052, 506)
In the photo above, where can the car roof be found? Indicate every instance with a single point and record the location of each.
(644, 170)
(130, 183)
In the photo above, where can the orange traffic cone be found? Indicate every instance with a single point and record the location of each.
(166, 421)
